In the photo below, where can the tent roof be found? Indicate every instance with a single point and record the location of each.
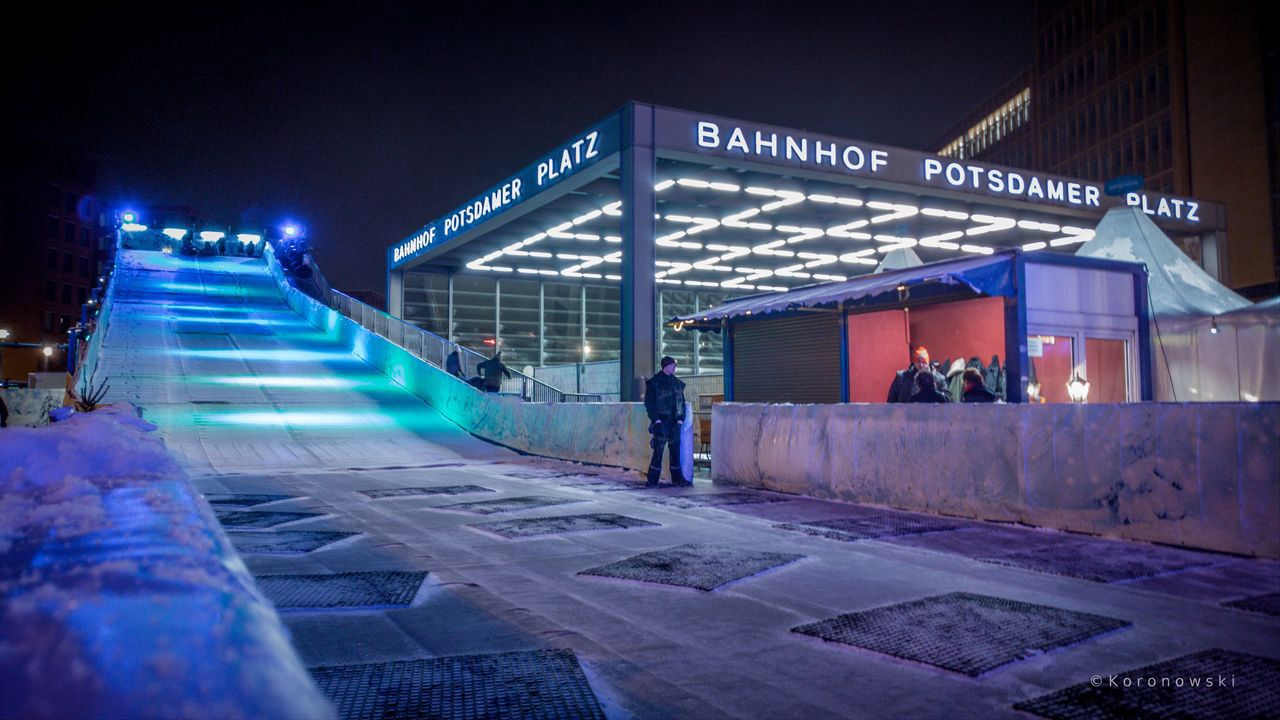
(1177, 285)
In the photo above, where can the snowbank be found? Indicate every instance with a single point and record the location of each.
(122, 597)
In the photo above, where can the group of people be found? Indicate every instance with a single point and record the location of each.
(490, 371)
(923, 383)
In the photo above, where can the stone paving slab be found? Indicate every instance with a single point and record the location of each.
(419, 491)
(532, 685)
(532, 527)
(1268, 604)
(1209, 685)
(700, 566)
(236, 500)
(712, 500)
(1104, 561)
(505, 505)
(285, 541)
(870, 527)
(341, 590)
(247, 519)
(962, 632)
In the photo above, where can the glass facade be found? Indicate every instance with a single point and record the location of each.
(549, 323)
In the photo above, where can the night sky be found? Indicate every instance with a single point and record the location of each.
(366, 122)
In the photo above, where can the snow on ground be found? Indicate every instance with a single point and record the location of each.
(121, 595)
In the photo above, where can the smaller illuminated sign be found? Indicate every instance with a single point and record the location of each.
(564, 161)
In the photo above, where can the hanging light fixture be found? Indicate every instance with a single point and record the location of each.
(1078, 388)
(1213, 326)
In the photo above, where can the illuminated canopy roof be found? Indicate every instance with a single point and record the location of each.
(745, 207)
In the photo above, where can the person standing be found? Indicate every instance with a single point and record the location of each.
(664, 403)
(928, 391)
(492, 370)
(975, 390)
(905, 387)
(453, 363)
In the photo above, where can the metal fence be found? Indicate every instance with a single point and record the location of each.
(434, 349)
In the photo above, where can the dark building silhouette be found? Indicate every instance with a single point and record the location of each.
(55, 238)
(1180, 92)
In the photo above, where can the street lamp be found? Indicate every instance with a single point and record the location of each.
(4, 335)
(48, 352)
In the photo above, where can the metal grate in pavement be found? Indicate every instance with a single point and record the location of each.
(341, 590)
(871, 526)
(532, 685)
(1208, 685)
(605, 486)
(285, 541)
(700, 566)
(530, 527)
(1100, 561)
(505, 505)
(416, 491)
(962, 632)
(1268, 604)
(234, 500)
(688, 502)
(249, 519)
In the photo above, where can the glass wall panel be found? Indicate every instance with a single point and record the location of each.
(602, 320)
(426, 301)
(1107, 365)
(710, 344)
(518, 315)
(473, 312)
(676, 343)
(1052, 364)
(562, 323)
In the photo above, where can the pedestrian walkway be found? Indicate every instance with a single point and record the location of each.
(424, 571)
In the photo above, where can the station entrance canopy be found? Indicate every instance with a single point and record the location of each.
(654, 198)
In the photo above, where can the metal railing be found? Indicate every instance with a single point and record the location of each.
(435, 350)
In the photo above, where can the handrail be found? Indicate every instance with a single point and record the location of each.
(435, 349)
(428, 346)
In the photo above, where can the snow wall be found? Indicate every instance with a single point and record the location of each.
(120, 596)
(613, 434)
(30, 408)
(1203, 475)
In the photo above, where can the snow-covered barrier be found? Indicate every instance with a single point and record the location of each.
(613, 434)
(30, 407)
(1203, 475)
(122, 596)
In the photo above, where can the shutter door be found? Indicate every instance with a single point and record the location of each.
(794, 359)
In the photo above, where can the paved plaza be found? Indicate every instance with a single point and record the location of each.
(425, 572)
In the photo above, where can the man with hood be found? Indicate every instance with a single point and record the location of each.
(492, 370)
(904, 385)
(664, 402)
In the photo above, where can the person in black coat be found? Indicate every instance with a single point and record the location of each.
(975, 390)
(492, 370)
(927, 390)
(664, 403)
(904, 386)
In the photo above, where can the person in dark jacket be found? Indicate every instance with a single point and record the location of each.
(975, 390)
(664, 403)
(927, 390)
(453, 363)
(492, 370)
(904, 385)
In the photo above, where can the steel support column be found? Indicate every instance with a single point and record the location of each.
(639, 318)
(395, 293)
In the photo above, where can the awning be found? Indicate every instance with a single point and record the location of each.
(985, 274)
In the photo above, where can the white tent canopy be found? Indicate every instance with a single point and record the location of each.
(1208, 342)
